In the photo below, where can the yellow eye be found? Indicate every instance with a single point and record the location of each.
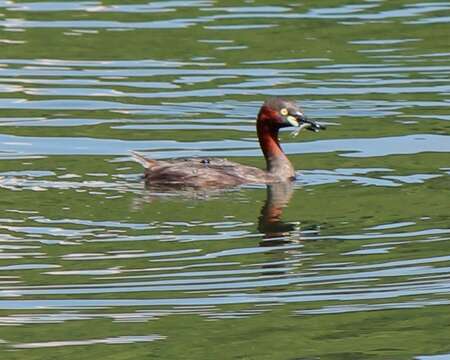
(284, 112)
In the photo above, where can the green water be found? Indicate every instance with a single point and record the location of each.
(351, 262)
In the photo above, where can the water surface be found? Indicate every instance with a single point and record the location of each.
(350, 262)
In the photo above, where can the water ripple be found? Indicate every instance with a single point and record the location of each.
(363, 230)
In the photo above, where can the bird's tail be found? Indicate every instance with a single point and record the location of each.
(146, 163)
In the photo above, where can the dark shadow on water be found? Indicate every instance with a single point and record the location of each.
(276, 232)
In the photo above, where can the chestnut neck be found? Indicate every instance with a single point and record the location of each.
(277, 163)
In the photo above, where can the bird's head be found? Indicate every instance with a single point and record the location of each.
(278, 113)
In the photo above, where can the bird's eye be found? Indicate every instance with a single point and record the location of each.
(284, 111)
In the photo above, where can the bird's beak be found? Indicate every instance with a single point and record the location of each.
(299, 120)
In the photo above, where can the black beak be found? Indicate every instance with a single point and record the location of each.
(306, 123)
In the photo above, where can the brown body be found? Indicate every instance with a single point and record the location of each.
(203, 173)
(216, 173)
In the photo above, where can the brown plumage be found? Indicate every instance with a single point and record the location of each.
(274, 114)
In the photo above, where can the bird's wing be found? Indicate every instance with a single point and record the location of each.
(146, 163)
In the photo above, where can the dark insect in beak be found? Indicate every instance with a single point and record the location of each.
(300, 121)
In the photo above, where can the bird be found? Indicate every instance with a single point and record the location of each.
(209, 173)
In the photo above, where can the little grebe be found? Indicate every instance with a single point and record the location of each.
(274, 114)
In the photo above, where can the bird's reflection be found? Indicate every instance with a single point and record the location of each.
(276, 231)
(281, 238)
